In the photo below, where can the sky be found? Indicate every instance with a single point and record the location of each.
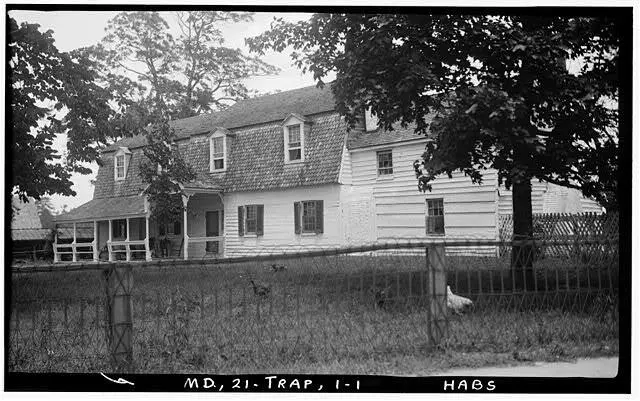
(77, 29)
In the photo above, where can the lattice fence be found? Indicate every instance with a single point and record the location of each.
(578, 228)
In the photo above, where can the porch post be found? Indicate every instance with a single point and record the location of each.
(110, 240)
(127, 248)
(146, 240)
(73, 246)
(185, 201)
(147, 209)
(56, 257)
(95, 241)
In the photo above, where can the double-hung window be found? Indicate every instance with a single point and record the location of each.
(435, 216)
(294, 143)
(309, 216)
(385, 162)
(251, 220)
(120, 169)
(121, 163)
(217, 148)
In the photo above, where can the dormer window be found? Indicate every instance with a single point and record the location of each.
(218, 151)
(121, 164)
(294, 128)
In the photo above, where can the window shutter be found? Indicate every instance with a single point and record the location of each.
(296, 217)
(240, 221)
(319, 216)
(260, 218)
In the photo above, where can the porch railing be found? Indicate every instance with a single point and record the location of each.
(116, 247)
(72, 249)
(219, 240)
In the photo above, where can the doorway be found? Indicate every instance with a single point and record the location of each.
(213, 228)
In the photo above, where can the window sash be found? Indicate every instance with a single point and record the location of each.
(217, 152)
(385, 162)
(294, 142)
(218, 146)
(435, 224)
(120, 166)
(295, 154)
(309, 216)
(294, 136)
(251, 219)
(435, 207)
(435, 216)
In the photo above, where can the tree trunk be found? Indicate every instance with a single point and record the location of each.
(522, 253)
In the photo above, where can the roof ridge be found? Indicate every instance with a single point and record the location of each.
(308, 100)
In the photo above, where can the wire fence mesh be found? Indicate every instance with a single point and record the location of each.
(320, 310)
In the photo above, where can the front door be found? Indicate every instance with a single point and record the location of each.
(212, 230)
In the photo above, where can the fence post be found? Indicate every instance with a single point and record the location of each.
(436, 293)
(119, 288)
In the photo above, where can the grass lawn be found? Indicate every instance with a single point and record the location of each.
(322, 315)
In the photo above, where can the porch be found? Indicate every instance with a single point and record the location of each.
(121, 229)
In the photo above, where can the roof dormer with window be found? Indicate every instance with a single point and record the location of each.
(218, 150)
(121, 163)
(294, 130)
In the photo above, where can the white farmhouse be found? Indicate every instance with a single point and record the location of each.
(281, 172)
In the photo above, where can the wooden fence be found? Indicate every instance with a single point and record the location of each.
(559, 226)
(548, 227)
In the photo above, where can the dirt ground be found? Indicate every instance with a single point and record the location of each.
(596, 367)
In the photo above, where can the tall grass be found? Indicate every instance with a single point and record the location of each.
(323, 311)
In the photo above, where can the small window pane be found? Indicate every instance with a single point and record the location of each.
(218, 164)
(385, 162)
(295, 154)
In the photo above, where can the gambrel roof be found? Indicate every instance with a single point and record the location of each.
(255, 158)
(304, 101)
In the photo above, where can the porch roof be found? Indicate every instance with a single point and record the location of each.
(104, 208)
(30, 234)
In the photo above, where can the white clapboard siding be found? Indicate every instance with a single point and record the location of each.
(538, 190)
(590, 206)
(399, 208)
(279, 232)
(550, 198)
(360, 215)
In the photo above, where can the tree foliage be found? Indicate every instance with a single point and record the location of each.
(50, 93)
(148, 70)
(533, 97)
(164, 170)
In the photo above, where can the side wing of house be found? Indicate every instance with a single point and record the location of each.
(550, 198)
(384, 181)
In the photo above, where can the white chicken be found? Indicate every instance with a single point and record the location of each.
(456, 303)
